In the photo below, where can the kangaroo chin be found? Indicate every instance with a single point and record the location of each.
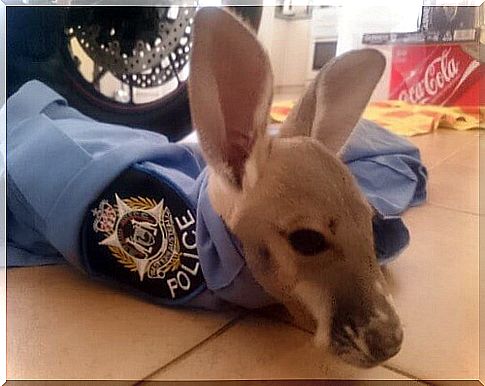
(304, 225)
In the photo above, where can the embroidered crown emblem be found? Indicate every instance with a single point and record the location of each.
(104, 217)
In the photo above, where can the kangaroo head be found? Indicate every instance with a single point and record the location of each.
(305, 227)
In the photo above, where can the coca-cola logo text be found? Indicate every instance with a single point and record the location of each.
(440, 73)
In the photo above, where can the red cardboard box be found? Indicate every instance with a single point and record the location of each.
(436, 74)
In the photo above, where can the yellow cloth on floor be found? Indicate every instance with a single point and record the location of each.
(280, 110)
(407, 119)
(411, 119)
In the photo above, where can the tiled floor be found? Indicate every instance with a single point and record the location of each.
(62, 325)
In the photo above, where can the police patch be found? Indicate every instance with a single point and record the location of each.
(140, 232)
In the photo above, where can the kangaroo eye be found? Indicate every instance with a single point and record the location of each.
(308, 242)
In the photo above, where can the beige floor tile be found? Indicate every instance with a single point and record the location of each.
(469, 155)
(481, 173)
(63, 325)
(442, 144)
(482, 298)
(435, 284)
(454, 183)
(261, 348)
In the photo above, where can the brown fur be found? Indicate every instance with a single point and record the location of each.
(265, 188)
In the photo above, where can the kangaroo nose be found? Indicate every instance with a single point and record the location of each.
(374, 335)
(384, 344)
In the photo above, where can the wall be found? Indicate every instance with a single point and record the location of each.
(357, 19)
(288, 44)
(294, 39)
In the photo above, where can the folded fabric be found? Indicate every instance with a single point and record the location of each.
(125, 205)
(388, 168)
(407, 119)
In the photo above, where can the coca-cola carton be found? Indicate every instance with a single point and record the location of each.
(436, 74)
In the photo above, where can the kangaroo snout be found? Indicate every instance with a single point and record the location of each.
(366, 335)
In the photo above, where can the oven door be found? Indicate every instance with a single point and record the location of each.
(322, 50)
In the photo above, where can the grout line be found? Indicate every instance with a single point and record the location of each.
(386, 366)
(453, 209)
(241, 317)
(215, 334)
(404, 373)
(446, 158)
(440, 382)
(283, 321)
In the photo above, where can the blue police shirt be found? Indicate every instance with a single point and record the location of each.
(126, 205)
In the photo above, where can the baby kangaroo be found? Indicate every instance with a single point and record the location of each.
(305, 227)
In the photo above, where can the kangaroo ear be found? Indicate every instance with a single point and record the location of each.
(230, 91)
(300, 120)
(334, 102)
